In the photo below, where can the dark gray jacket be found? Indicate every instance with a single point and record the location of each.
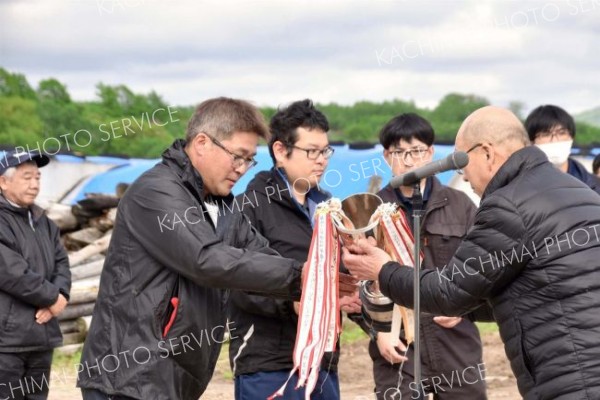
(34, 269)
(449, 214)
(578, 171)
(269, 326)
(534, 256)
(165, 247)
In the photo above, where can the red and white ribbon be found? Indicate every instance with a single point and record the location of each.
(319, 323)
(399, 241)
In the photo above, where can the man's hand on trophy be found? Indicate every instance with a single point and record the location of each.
(389, 346)
(364, 259)
(447, 322)
(351, 304)
(348, 285)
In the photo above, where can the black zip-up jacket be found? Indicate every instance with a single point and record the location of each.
(160, 316)
(268, 326)
(449, 214)
(534, 256)
(34, 269)
(579, 172)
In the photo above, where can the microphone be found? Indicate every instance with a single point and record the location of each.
(456, 160)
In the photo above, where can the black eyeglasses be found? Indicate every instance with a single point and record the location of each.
(414, 153)
(238, 161)
(559, 133)
(460, 171)
(313, 154)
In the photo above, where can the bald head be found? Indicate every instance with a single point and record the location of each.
(490, 135)
(494, 125)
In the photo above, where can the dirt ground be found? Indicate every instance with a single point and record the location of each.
(356, 381)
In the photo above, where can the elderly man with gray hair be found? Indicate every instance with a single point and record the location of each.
(532, 256)
(35, 280)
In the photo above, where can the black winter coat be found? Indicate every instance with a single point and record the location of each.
(534, 256)
(165, 247)
(268, 325)
(34, 269)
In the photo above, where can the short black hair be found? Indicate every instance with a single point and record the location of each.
(406, 127)
(546, 117)
(596, 164)
(299, 114)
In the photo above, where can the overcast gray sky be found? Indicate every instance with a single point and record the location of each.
(273, 52)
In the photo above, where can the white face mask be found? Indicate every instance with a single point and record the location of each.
(557, 152)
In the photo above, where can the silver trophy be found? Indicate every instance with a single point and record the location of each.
(358, 221)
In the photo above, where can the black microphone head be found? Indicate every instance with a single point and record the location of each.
(460, 159)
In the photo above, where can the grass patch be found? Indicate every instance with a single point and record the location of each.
(223, 368)
(66, 361)
(351, 333)
(487, 327)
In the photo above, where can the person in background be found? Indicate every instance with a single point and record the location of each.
(552, 129)
(447, 343)
(532, 256)
(596, 165)
(35, 280)
(175, 250)
(262, 361)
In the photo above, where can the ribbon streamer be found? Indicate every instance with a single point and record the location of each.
(319, 323)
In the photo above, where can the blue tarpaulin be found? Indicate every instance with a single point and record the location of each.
(349, 171)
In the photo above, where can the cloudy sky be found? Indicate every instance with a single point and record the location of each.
(273, 52)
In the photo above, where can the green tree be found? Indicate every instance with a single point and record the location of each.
(15, 85)
(53, 90)
(19, 123)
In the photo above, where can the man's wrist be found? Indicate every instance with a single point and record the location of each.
(373, 334)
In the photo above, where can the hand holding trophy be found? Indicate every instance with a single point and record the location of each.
(363, 213)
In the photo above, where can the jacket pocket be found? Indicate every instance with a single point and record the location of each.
(6, 311)
(165, 314)
(442, 241)
(523, 357)
(171, 314)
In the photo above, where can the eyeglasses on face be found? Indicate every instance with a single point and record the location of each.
(414, 153)
(237, 160)
(460, 171)
(560, 133)
(313, 154)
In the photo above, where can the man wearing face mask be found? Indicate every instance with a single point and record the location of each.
(552, 129)
(545, 298)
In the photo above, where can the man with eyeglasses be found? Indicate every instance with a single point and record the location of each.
(447, 343)
(552, 129)
(262, 361)
(532, 257)
(160, 316)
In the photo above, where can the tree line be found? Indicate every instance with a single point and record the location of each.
(143, 125)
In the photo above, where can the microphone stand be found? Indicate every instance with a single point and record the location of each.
(417, 203)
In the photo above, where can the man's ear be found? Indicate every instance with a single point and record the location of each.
(279, 150)
(199, 143)
(490, 155)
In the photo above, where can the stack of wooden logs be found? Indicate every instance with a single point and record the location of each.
(86, 229)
